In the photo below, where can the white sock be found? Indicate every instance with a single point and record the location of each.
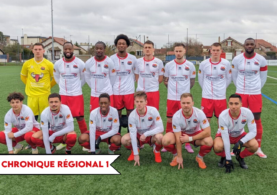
(18, 146)
(34, 149)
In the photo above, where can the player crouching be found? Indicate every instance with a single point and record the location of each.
(186, 124)
(146, 126)
(61, 129)
(103, 127)
(23, 120)
(231, 131)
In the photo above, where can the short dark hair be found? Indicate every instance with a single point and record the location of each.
(101, 42)
(185, 95)
(140, 94)
(179, 45)
(15, 96)
(149, 43)
(122, 36)
(250, 38)
(216, 44)
(38, 44)
(104, 95)
(54, 95)
(235, 96)
(67, 42)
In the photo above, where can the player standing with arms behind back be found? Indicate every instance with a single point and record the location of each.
(249, 72)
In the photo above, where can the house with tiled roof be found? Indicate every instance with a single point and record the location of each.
(262, 47)
(58, 48)
(135, 47)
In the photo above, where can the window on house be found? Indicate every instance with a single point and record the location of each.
(138, 53)
(229, 43)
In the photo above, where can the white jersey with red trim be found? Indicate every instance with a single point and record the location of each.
(100, 76)
(179, 78)
(190, 125)
(149, 72)
(24, 122)
(70, 76)
(214, 78)
(57, 121)
(249, 74)
(149, 124)
(124, 67)
(230, 127)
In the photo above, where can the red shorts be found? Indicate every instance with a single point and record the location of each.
(75, 104)
(210, 106)
(233, 140)
(192, 142)
(172, 106)
(94, 102)
(153, 99)
(98, 133)
(21, 138)
(121, 101)
(254, 102)
(58, 139)
(147, 140)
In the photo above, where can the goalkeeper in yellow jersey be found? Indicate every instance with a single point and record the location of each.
(37, 75)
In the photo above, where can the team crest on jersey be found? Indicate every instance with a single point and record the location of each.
(6, 124)
(42, 68)
(22, 118)
(75, 66)
(222, 68)
(163, 70)
(222, 128)
(26, 118)
(195, 120)
(91, 122)
(60, 116)
(233, 66)
(150, 118)
(129, 62)
(68, 116)
(37, 77)
(106, 66)
(115, 120)
(243, 121)
(154, 65)
(253, 121)
(199, 71)
(256, 63)
(110, 119)
(42, 123)
(204, 121)
(187, 68)
(158, 118)
(174, 127)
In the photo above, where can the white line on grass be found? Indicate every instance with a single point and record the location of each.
(272, 77)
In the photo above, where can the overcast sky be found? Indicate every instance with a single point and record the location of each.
(103, 19)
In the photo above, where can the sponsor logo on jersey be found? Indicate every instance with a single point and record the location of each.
(130, 125)
(163, 70)
(193, 73)
(243, 121)
(113, 70)
(129, 62)
(253, 121)
(110, 119)
(42, 68)
(186, 68)
(257, 63)
(204, 121)
(199, 71)
(26, 118)
(37, 77)
(174, 127)
(115, 120)
(42, 123)
(222, 128)
(106, 66)
(22, 118)
(6, 124)
(222, 68)
(91, 122)
(60, 116)
(154, 65)
(68, 116)
(150, 118)
(195, 120)
(75, 66)
(158, 118)
(233, 66)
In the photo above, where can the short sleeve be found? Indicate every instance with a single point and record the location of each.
(192, 71)
(204, 123)
(161, 66)
(24, 70)
(175, 123)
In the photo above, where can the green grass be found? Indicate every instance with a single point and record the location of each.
(152, 178)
